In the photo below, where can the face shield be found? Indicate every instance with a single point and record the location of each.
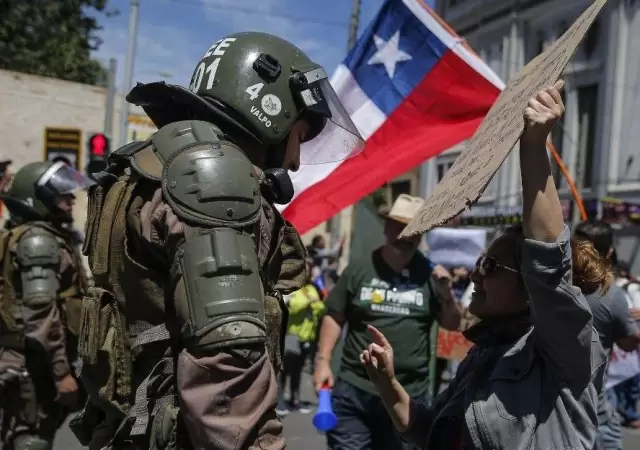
(62, 179)
(333, 135)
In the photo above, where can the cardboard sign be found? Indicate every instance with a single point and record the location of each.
(472, 171)
(452, 345)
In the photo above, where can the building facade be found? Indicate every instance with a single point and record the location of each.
(599, 135)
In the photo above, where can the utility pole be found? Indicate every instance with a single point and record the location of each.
(335, 224)
(354, 23)
(128, 69)
(111, 97)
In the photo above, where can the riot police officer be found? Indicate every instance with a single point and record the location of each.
(182, 333)
(43, 282)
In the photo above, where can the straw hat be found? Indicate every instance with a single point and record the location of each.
(403, 209)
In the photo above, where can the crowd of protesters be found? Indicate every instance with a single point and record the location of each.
(548, 312)
(550, 307)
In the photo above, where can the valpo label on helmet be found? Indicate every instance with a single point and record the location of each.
(260, 115)
(208, 67)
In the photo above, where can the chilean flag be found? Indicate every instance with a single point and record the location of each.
(413, 89)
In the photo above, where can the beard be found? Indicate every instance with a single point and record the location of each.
(403, 248)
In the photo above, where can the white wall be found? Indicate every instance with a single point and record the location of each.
(30, 103)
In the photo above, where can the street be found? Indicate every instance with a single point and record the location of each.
(300, 433)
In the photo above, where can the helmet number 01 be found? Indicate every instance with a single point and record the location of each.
(218, 49)
(254, 91)
(210, 70)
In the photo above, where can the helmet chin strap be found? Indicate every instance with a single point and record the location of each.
(61, 216)
(276, 154)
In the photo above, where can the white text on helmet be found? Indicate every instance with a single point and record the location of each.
(217, 49)
(261, 117)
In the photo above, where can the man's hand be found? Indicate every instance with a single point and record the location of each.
(323, 375)
(442, 278)
(634, 313)
(542, 113)
(377, 359)
(67, 391)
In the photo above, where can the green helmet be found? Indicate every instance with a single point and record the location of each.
(261, 85)
(32, 191)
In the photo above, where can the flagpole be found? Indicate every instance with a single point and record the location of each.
(335, 228)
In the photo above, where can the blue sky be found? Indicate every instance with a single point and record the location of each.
(174, 34)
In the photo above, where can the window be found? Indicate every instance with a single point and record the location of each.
(563, 26)
(557, 138)
(400, 187)
(404, 184)
(540, 43)
(587, 119)
(442, 169)
(591, 40)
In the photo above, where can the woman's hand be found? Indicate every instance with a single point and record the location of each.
(378, 359)
(542, 113)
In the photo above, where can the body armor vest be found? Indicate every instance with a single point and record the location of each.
(129, 340)
(73, 284)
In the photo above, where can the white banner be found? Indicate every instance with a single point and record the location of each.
(623, 366)
(456, 247)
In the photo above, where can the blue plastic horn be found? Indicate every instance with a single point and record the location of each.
(324, 419)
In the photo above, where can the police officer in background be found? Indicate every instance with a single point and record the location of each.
(40, 304)
(182, 334)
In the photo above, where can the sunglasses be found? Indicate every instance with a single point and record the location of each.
(487, 265)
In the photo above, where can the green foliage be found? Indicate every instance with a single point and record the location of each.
(52, 38)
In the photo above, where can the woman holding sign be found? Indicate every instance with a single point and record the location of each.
(533, 376)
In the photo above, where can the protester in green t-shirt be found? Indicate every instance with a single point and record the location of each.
(396, 290)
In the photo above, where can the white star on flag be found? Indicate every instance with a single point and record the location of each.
(388, 53)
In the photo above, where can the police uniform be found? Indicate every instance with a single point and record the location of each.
(182, 334)
(43, 282)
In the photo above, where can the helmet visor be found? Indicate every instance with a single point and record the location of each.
(62, 179)
(339, 138)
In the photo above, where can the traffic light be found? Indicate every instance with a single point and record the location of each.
(99, 148)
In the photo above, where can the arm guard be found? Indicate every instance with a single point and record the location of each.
(212, 186)
(38, 254)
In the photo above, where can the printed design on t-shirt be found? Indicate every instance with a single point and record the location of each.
(401, 299)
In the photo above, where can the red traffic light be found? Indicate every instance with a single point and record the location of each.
(98, 144)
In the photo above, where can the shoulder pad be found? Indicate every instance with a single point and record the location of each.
(127, 150)
(206, 180)
(146, 163)
(38, 247)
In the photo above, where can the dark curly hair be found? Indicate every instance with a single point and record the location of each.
(592, 271)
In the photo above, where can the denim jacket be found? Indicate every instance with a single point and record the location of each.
(539, 391)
